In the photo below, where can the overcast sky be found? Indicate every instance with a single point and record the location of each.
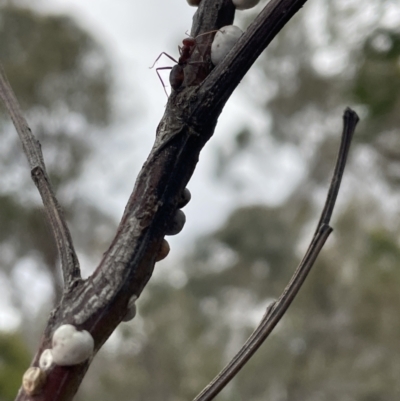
(134, 33)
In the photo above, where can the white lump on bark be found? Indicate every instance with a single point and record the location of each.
(224, 40)
(70, 346)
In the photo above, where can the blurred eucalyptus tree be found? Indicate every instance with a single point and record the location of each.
(62, 77)
(338, 341)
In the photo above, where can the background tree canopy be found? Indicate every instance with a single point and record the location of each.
(339, 340)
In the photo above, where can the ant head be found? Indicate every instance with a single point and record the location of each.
(189, 42)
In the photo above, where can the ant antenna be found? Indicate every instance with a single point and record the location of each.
(204, 33)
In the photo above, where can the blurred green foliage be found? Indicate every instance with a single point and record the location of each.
(339, 340)
(14, 359)
(53, 63)
(377, 82)
(61, 76)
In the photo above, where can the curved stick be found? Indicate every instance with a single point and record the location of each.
(277, 309)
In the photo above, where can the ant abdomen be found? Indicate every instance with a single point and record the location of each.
(176, 76)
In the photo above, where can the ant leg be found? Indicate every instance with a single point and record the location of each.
(159, 76)
(206, 33)
(158, 58)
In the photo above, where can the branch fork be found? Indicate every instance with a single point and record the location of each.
(99, 303)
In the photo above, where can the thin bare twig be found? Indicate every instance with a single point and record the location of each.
(350, 120)
(276, 310)
(33, 152)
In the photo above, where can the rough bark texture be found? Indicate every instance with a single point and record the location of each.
(99, 303)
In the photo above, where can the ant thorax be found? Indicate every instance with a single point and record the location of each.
(186, 51)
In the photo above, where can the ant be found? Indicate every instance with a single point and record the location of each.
(177, 75)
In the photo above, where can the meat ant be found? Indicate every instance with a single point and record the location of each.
(176, 77)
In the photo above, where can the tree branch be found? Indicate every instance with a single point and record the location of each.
(33, 152)
(276, 310)
(99, 303)
(222, 81)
